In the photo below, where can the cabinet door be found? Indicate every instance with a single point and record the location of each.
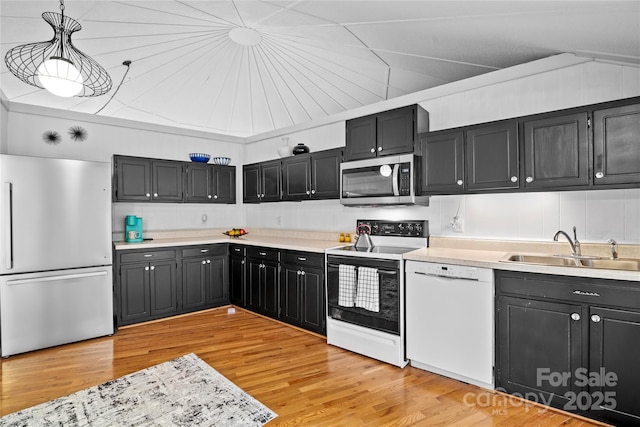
(290, 295)
(224, 184)
(199, 183)
(194, 272)
(556, 152)
(616, 145)
(254, 281)
(164, 288)
(396, 131)
(166, 181)
(492, 156)
(269, 288)
(237, 280)
(325, 174)
(251, 184)
(217, 284)
(312, 300)
(296, 172)
(133, 176)
(535, 339)
(361, 138)
(135, 300)
(271, 180)
(442, 162)
(614, 346)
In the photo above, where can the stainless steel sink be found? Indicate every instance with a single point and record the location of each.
(570, 261)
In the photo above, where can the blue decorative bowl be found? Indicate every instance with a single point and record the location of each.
(199, 157)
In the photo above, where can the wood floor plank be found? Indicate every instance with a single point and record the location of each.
(293, 372)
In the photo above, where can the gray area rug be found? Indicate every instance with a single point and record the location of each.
(182, 392)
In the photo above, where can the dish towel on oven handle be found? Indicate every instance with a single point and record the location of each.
(346, 285)
(368, 289)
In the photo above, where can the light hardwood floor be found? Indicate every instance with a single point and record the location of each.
(295, 373)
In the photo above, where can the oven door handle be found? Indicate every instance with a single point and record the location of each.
(380, 271)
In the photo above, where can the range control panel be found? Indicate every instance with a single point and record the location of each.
(393, 228)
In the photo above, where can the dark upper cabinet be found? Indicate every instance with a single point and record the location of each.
(442, 162)
(312, 176)
(492, 156)
(262, 182)
(616, 145)
(210, 183)
(556, 151)
(166, 181)
(133, 179)
(390, 132)
(477, 158)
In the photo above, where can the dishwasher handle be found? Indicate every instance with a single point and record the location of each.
(443, 276)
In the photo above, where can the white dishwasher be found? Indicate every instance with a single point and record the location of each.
(450, 321)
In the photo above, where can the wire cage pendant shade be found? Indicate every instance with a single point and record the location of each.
(57, 65)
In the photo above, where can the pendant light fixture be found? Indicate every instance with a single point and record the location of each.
(57, 65)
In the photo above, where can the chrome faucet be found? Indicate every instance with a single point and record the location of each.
(614, 248)
(575, 244)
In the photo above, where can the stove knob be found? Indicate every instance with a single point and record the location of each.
(410, 228)
(419, 229)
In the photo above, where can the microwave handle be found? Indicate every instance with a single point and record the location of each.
(396, 179)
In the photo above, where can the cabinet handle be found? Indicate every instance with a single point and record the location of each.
(204, 251)
(215, 197)
(459, 182)
(153, 267)
(599, 175)
(373, 150)
(146, 268)
(379, 148)
(308, 192)
(529, 179)
(155, 195)
(575, 316)
(148, 255)
(514, 179)
(242, 262)
(263, 253)
(302, 273)
(301, 258)
(313, 191)
(208, 261)
(595, 318)
(148, 195)
(586, 293)
(209, 196)
(298, 272)
(204, 262)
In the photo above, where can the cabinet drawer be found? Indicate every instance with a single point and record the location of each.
(237, 250)
(306, 259)
(263, 253)
(209, 250)
(573, 289)
(142, 255)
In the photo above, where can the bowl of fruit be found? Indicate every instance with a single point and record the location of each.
(235, 232)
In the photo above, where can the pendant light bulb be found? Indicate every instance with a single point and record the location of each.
(60, 77)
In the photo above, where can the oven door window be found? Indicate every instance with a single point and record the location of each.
(368, 182)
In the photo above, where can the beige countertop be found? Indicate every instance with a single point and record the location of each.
(470, 252)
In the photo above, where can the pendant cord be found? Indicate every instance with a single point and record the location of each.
(127, 63)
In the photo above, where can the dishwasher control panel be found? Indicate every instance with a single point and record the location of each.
(449, 270)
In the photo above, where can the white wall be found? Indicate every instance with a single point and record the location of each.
(4, 118)
(598, 215)
(109, 137)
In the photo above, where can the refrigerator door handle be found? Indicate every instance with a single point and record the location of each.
(7, 195)
(54, 278)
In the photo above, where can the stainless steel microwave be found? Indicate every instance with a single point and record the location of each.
(389, 180)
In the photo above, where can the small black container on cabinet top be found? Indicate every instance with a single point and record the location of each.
(300, 148)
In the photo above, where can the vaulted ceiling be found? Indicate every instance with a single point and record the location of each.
(246, 67)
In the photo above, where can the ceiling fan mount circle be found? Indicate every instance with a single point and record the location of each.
(245, 36)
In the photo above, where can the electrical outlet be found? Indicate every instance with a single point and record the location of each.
(457, 224)
(279, 220)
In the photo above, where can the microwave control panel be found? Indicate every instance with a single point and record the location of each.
(404, 179)
(394, 228)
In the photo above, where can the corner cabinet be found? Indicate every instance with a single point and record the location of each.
(302, 301)
(237, 275)
(262, 182)
(390, 132)
(312, 176)
(570, 342)
(616, 145)
(263, 274)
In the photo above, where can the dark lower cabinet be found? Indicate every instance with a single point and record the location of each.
(302, 291)
(572, 343)
(237, 275)
(147, 289)
(205, 273)
(152, 284)
(263, 273)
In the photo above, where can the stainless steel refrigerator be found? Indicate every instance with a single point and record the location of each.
(56, 281)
